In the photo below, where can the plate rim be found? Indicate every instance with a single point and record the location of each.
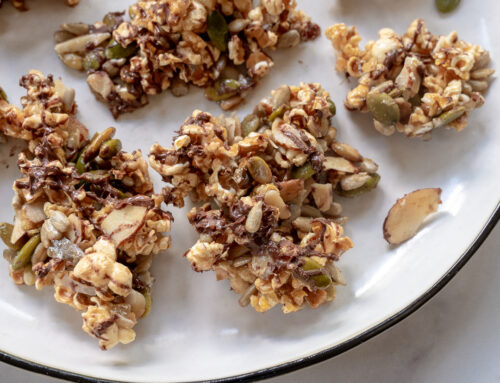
(290, 366)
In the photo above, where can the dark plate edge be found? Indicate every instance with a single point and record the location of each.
(321, 356)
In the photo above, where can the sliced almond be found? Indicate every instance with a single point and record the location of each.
(122, 224)
(340, 164)
(408, 213)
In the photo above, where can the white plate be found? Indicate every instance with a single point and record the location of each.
(197, 331)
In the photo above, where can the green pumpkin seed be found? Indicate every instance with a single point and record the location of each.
(217, 30)
(23, 256)
(3, 95)
(115, 51)
(446, 6)
(451, 115)
(110, 148)
(368, 185)
(91, 150)
(109, 20)
(149, 302)
(250, 123)
(213, 94)
(332, 107)
(383, 108)
(278, 112)
(6, 233)
(259, 170)
(304, 172)
(92, 61)
(322, 280)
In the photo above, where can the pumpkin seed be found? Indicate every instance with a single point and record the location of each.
(217, 30)
(259, 170)
(23, 256)
(6, 233)
(383, 108)
(250, 124)
(446, 6)
(321, 281)
(114, 50)
(304, 172)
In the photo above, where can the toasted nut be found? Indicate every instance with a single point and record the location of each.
(23, 256)
(60, 36)
(310, 211)
(72, 60)
(346, 151)
(370, 183)
(303, 224)
(254, 218)
(79, 44)
(289, 39)
(290, 189)
(76, 28)
(280, 96)
(354, 181)
(408, 213)
(259, 170)
(273, 198)
(482, 74)
(383, 108)
(323, 196)
(231, 103)
(100, 84)
(368, 165)
(340, 164)
(237, 25)
(123, 223)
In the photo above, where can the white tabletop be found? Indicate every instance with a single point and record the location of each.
(454, 338)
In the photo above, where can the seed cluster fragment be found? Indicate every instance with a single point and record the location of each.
(413, 83)
(86, 219)
(270, 223)
(220, 45)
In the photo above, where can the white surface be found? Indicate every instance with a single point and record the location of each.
(453, 338)
(196, 319)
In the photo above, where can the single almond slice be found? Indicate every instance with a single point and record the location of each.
(408, 213)
(121, 224)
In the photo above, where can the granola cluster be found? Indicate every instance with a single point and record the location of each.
(220, 45)
(269, 223)
(86, 219)
(412, 83)
(21, 5)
